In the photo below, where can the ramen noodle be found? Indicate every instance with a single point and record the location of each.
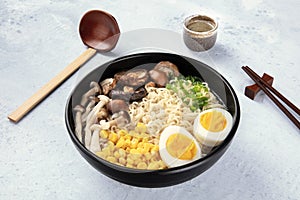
(161, 108)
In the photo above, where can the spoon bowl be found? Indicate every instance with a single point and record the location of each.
(99, 30)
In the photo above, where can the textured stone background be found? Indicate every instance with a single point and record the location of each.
(39, 37)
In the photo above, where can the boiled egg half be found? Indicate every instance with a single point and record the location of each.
(178, 147)
(212, 126)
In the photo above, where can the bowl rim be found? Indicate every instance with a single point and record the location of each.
(189, 166)
(188, 19)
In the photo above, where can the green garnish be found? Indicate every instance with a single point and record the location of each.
(191, 90)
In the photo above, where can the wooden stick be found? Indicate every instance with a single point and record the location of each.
(36, 98)
(285, 100)
(280, 106)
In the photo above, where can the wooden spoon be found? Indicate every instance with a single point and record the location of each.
(100, 32)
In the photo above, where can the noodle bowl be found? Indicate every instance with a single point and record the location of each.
(139, 116)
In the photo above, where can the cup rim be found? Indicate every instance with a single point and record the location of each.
(189, 18)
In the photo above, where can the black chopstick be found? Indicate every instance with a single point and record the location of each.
(264, 87)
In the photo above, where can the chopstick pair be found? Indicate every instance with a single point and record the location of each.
(265, 86)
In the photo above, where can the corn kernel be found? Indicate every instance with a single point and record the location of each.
(103, 134)
(141, 128)
(134, 142)
(155, 148)
(119, 164)
(129, 165)
(142, 165)
(106, 151)
(136, 156)
(140, 145)
(147, 147)
(120, 142)
(127, 142)
(111, 159)
(153, 159)
(153, 165)
(140, 149)
(122, 132)
(100, 154)
(127, 149)
(148, 156)
(130, 161)
(110, 144)
(117, 154)
(134, 151)
(129, 155)
(145, 150)
(113, 137)
(122, 161)
(136, 162)
(161, 164)
(127, 137)
(122, 152)
(145, 139)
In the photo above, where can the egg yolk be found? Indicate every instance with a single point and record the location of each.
(180, 146)
(213, 121)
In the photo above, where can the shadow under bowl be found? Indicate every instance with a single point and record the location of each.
(155, 178)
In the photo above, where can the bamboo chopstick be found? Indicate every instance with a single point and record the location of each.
(44, 91)
(263, 85)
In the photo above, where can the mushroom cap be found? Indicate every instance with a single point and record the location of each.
(107, 85)
(79, 108)
(135, 77)
(159, 77)
(167, 67)
(122, 117)
(96, 86)
(116, 105)
(104, 98)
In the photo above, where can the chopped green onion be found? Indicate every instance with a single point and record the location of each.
(197, 91)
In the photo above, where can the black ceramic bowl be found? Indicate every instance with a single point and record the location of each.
(165, 177)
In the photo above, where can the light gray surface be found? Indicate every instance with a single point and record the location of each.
(38, 38)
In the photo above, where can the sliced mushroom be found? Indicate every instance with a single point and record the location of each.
(159, 77)
(138, 94)
(102, 114)
(95, 88)
(170, 69)
(128, 89)
(135, 77)
(78, 121)
(92, 119)
(89, 107)
(120, 119)
(95, 145)
(107, 85)
(118, 75)
(117, 105)
(97, 142)
(94, 99)
(119, 94)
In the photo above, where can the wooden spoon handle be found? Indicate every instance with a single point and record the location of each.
(36, 98)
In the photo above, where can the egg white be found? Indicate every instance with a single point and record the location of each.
(210, 138)
(169, 160)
